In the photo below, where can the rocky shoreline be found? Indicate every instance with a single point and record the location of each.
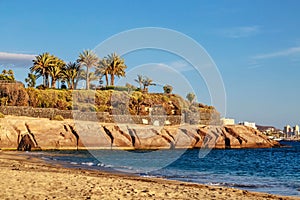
(26, 133)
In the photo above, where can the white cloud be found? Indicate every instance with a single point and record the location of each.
(283, 53)
(16, 59)
(240, 32)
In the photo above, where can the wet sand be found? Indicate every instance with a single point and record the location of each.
(25, 177)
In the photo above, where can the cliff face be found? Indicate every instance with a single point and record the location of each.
(26, 133)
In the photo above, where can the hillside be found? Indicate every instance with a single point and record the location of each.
(114, 102)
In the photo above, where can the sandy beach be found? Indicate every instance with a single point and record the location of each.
(25, 177)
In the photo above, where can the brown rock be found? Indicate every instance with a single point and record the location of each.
(27, 133)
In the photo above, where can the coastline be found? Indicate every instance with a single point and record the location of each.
(24, 176)
(26, 133)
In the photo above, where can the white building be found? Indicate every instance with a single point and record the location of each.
(227, 121)
(249, 124)
(287, 129)
(296, 130)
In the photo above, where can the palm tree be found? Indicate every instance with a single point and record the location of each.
(7, 75)
(41, 63)
(139, 80)
(55, 74)
(117, 67)
(11, 75)
(55, 71)
(103, 69)
(82, 76)
(70, 73)
(147, 82)
(30, 80)
(88, 59)
(191, 97)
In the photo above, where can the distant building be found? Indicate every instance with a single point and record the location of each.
(227, 121)
(287, 129)
(249, 124)
(296, 130)
(266, 129)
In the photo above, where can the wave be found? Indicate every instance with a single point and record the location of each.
(255, 170)
(239, 185)
(88, 163)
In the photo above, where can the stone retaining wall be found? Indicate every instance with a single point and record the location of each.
(190, 118)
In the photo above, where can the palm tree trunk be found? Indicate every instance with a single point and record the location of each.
(87, 78)
(44, 80)
(112, 79)
(75, 85)
(47, 81)
(70, 84)
(106, 78)
(53, 81)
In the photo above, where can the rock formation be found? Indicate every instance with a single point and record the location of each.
(24, 133)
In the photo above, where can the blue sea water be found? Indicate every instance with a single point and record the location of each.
(275, 171)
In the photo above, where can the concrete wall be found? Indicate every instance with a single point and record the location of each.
(227, 121)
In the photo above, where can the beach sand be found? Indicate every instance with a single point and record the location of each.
(25, 177)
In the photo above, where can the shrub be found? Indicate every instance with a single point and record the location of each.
(103, 108)
(2, 115)
(57, 118)
(3, 101)
(116, 88)
(13, 94)
(168, 89)
(164, 98)
(41, 87)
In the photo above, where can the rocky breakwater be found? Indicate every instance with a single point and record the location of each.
(24, 133)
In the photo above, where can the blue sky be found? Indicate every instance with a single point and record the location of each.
(255, 44)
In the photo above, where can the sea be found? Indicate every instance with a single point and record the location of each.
(271, 170)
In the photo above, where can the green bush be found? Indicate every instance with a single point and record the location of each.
(103, 108)
(2, 115)
(116, 88)
(13, 94)
(168, 89)
(50, 98)
(57, 118)
(164, 98)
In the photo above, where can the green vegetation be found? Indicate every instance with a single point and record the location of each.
(46, 66)
(57, 118)
(13, 94)
(147, 82)
(109, 100)
(191, 97)
(31, 80)
(144, 82)
(70, 74)
(2, 115)
(139, 80)
(116, 88)
(103, 69)
(168, 89)
(7, 76)
(88, 67)
(116, 67)
(117, 100)
(61, 99)
(88, 59)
